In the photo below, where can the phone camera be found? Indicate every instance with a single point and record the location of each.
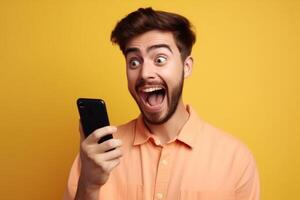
(81, 104)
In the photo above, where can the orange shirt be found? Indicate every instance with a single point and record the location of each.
(201, 163)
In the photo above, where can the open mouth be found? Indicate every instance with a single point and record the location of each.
(152, 96)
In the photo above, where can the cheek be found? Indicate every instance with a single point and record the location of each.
(131, 79)
(172, 76)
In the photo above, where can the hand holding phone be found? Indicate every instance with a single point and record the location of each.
(97, 160)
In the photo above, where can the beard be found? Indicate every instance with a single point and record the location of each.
(173, 98)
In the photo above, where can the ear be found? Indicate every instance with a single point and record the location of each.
(188, 66)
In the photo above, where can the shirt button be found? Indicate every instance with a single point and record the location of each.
(164, 162)
(159, 195)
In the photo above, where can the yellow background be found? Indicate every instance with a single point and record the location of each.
(245, 81)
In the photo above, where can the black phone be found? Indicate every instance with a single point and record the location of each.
(93, 115)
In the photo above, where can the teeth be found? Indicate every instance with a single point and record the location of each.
(152, 89)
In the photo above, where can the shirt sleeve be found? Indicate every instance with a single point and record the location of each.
(248, 187)
(71, 189)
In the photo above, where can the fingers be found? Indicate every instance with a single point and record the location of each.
(112, 164)
(107, 165)
(102, 148)
(108, 145)
(110, 155)
(97, 134)
(106, 154)
(107, 160)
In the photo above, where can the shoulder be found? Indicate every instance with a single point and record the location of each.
(226, 145)
(221, 137)
(236, 158)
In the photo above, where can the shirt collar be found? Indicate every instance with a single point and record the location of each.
(187, 134)
(142, 133)
(191, 129)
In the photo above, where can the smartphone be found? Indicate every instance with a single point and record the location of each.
(93, 115)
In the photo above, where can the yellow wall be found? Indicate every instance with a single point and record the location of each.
(245, 80)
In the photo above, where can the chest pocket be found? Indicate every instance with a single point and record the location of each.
(206, 195)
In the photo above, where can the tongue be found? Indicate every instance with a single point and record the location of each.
(155, 99)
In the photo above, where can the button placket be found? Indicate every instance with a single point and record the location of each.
(159, 196)
(163, 174)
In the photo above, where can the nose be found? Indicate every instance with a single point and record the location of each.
(147, 71)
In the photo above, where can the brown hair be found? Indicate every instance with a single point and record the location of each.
(147, 19)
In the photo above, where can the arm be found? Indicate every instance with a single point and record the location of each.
(86, 192)
(248, 187)
(92, 170)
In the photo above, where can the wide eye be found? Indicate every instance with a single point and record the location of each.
(160, 60)
(134, 63)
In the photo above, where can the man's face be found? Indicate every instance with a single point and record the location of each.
(154, 74)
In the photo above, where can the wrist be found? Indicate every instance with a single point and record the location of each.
(87, 190)
(88, 185)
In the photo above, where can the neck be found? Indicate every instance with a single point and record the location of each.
(170, 129)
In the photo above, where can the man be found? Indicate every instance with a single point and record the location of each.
(168, 152)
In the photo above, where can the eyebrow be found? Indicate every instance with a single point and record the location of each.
(156, 46)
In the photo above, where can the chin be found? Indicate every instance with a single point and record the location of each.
(155, 119)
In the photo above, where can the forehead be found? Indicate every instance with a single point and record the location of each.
(150, 38)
